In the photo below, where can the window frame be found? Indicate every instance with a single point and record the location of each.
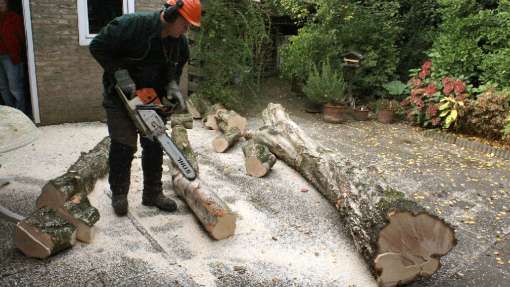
(128, 6)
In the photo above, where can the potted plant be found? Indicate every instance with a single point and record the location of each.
(360, 112)
(328, 88)
(386, 110)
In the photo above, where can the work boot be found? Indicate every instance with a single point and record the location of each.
(152, 161)
(160, 201)
(120, 204)
(119, 161)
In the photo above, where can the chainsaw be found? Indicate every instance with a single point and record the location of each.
(143, 106)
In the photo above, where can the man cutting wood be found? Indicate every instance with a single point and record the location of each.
(153, 50)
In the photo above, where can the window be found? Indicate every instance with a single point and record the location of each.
(95, 14)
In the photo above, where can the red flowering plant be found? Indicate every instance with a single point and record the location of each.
(435, 99)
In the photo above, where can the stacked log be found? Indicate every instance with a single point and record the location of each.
(198, 106)
(210, 116)
(399, 239)
(212, 212)
(64, 212)
(232, 126)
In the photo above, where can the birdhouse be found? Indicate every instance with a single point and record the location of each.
(352, 59)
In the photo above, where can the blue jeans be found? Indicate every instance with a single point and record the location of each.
(12, 83)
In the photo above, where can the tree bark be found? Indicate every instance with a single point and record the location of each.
(210, 120)
(214, 214)
(223, 142)
(200, 104)
(180, 137)
(258, 159)
(79, 212)
(185, 120)
(227, 120)
(79, 178)
(386, 227)
(44, 233)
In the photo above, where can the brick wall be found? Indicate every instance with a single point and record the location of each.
(68, 78)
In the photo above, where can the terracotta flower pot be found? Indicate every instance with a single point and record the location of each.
(360, 115)
(335, 113)
(385, 116)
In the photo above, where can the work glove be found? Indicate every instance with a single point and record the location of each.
(173, 94)
(125, 83)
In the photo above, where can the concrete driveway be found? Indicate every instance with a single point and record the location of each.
(284, 236)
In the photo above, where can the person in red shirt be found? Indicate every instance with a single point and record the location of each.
(12, 43)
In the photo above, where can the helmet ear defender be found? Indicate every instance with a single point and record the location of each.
(170, 12)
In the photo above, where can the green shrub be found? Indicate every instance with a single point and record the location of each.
(474, 40)
(230, 48)
(368, 27)
(396, 89)
(326, 86)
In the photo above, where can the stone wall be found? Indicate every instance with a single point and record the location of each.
(68, 78)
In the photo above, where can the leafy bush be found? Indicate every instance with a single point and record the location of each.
(326, 86)
(474, 40)
(396, 89)
(487, 115)
(435, 100)
(230, 47)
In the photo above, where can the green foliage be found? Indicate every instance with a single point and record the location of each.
(419, 22)
(299, 10)
(396, 89)
(230, 47)
(326, 86)
(341, 26)
(474, 40)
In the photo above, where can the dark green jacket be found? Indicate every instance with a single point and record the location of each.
(134, 42)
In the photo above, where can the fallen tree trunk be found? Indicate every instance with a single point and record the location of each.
(214, 214)
(399, 239)
(44, 233)
(199, 106)
(258, 160)
(185, 120)
(79, 178)
(223, 142)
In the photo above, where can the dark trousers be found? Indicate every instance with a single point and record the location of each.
(124, 137)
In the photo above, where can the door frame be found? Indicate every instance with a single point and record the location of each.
(32, 79)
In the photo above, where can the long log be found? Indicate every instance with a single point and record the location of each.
(398, 238)
(44, 233)
(79, 178)
(258, 160)
(200, 103)
(214, 214)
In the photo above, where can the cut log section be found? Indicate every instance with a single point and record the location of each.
(185, 120)
(258, 159)
(200, 103)
(44, 233)
(79, 178)
(227, 120)
(180, 137)
(82, 215)
(212, 212)
(210, 118)
(399, 239)
(193, 110)
(223, 142)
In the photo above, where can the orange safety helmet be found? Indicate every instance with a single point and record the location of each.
(191, 10)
